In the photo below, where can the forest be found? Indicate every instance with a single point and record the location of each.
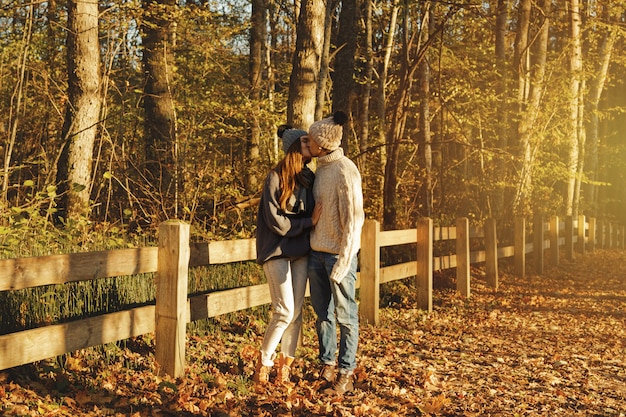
(118, 115)
(115, 116)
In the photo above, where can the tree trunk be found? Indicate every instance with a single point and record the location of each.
(321, 90)
(258, 34)
(575, 67)
(344, 87)
(365, 91)
(394, 133)
(83, 110)
(271, 77)
(381, 95)
(408, 67)
(596, 87)
(521, 53)
(16, 104)
(530, 113)
(502, 112)
(424, 134)
(582, 138)
(306, 64)
(160, 121)
(521, 70)
(396, 128)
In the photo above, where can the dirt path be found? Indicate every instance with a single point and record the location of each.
(541, 346)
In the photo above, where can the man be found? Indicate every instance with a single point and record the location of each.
(335, 242)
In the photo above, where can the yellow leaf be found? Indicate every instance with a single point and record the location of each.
(436, 406)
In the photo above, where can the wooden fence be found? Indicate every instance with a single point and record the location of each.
(174, 256)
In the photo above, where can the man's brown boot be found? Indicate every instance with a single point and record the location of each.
(328, 373)
(342, 386)
(284, 368)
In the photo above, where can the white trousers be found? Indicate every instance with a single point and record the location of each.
(287, 283)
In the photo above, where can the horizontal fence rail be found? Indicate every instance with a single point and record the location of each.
(174, 256)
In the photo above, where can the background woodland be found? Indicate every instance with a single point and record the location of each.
(115, 116)
(118, 115)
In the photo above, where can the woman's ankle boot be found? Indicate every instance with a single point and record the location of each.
(261, 372)
(284, 368)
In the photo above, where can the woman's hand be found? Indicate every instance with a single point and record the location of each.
(317, 212)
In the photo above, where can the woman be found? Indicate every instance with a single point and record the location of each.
(287, 212)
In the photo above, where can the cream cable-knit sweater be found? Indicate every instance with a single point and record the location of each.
(338, 187)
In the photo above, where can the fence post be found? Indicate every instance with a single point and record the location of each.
(171, 296)
(554, 239)
(370, 272)
(491, 252)
(520, 246)
(425, 264)
(539, 231)
(609, 235)
(592, 234)
(569, 238)
(462, 257)
(581, 233)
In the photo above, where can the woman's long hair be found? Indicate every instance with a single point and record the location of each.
(289, 170)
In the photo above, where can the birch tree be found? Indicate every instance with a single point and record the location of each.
(534, 84)
(424, 134)
(413, 49)
(606, 43)
(380, 92)
(396, 126)
(502, 74)
(522, 72)
(575, 69)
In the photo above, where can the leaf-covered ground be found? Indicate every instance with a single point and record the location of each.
(550, 345)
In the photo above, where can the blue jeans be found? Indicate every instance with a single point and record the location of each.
(334, 303)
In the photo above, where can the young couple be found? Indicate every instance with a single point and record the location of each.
(309, 226)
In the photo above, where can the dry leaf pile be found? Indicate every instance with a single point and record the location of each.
(550, 345)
